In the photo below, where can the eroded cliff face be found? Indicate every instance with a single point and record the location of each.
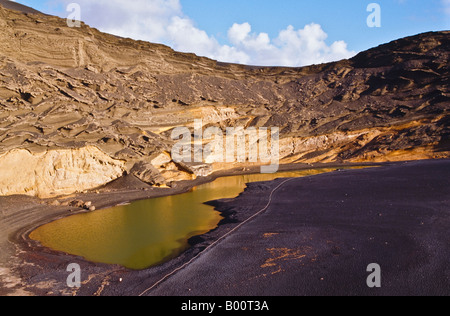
(76, 89)
(56, 172)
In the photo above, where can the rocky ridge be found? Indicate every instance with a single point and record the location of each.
(76, 94)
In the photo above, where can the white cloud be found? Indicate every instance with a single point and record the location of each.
(163, 21)
(291, 47)
(185, 37)
(139, 19)
(239, 32)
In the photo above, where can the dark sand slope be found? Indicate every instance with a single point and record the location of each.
(320, 234)
(18, 7)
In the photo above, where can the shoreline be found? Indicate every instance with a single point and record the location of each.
(30, 252)
(318, 235)
(114, 198)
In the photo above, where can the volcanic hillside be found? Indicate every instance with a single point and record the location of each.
(80, 108)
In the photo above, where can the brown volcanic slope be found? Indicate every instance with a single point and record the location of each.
(17, 6)
(79, 107)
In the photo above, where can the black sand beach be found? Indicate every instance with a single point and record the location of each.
(320, 233)
(316, 237)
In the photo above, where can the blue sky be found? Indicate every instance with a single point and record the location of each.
(264, 32)
(342, 20)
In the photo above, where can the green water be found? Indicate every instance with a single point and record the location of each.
(150, 232)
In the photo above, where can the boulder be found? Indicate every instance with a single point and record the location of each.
(147, 173)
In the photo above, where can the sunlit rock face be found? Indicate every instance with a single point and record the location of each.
(56, 172)
(70, 90)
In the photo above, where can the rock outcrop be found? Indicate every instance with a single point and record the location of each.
(56, 172)
(73, 89)
(147, 173)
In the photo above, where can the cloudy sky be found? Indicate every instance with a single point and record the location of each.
(259, 32)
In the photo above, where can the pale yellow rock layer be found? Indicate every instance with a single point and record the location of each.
(56, 172)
